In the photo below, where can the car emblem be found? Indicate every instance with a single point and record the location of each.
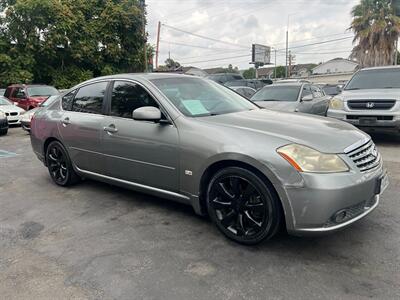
(374, 152)
(370, 105)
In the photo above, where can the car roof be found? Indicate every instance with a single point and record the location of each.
(288, 84)
(27, 85)
(380, 68)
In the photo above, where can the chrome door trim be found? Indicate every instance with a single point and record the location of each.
(136, 185)
(123, 158)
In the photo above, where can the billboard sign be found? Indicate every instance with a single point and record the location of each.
(261, 55)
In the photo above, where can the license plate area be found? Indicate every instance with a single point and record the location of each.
(367, 120)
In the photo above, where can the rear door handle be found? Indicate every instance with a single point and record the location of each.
(66, 121)
(110, 129)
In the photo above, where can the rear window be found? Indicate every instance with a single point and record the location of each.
(36, 91)
(277, 93)
(375, 79)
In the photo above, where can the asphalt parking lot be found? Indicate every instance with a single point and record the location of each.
(97, 241)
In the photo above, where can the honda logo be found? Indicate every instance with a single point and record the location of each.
(370, 105)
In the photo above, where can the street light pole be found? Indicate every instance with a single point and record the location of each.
(143, 5)
(287, 46)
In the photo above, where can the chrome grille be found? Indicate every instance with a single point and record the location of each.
(371, 104)
(366, 156)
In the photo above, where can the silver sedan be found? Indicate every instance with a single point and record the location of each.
(191, 140)
(293, 97)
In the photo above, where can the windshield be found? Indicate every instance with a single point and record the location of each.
(277, 93)
(375, 79)
(196, 97)
(331, 90)
(4, 101)
(49, 101)
(41, 91)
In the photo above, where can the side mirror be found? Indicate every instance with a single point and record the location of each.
(147, 113)
(307, 98)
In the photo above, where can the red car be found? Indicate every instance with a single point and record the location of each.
(28, 96)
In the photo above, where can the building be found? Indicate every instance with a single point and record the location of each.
(334, 66)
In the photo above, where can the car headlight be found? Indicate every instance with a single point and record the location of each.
(2, 114)
(336, 103)
(305, 159)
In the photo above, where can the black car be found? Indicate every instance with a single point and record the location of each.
(3, 123)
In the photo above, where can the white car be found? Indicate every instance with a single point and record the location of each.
(12, 112)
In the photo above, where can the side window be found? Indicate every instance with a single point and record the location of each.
(127, 96)
(306, 91)
(18, 93)
(67, 100)
(89, 99)
(8, 92)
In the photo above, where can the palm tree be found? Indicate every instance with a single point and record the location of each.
(377, 30)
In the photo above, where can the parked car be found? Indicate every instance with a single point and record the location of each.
(3, 123)
(330, 89)
(293, 97)
(194, 141)
(2, 91)
(12, 112)
(370, 100)
(292, 81)
(225, 77)
(245, 91)
(27, 116)
(252, 83)
(29, 96)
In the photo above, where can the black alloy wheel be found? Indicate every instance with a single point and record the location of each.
(243, 207)
(59, 165)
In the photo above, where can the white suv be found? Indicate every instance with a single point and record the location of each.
(370, 100)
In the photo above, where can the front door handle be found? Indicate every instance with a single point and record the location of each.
(110, 129)
(66, 121)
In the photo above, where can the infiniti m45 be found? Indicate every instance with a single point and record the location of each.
(195, 141)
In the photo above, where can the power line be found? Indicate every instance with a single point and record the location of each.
(202, 36)
(198, 46)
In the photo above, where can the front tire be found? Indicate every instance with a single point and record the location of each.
(242, 206)
(59, 165)
(3, 131)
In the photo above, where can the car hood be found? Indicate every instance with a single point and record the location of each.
(375, 94)
(11, 108)
(289, 106)
(321, 133)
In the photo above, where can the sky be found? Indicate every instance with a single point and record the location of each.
(240, 23)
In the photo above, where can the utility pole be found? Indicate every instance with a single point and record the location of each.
(290, 63)
(396, 52)
(275, 65)
(143, 5)
(287, 46)
(158, 42)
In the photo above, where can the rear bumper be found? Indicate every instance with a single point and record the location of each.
(385, 120)
(329, 202)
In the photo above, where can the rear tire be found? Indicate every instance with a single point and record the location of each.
(59, 165)
(242, 206)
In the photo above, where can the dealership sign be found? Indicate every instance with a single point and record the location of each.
(261, 55)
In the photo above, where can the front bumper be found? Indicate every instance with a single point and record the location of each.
(26, 125)
(317, 204)
(14, 120)
(381, 120)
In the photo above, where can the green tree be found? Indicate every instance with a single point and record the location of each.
(250, 73)
(280, 72)
(47, 39)
(376, 29)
